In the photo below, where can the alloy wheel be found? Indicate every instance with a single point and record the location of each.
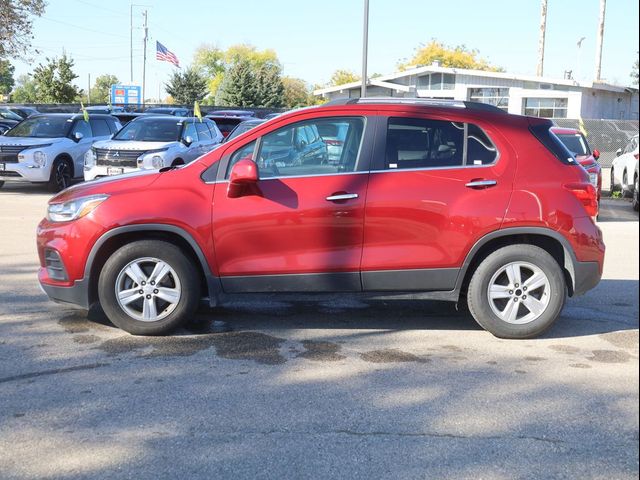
(519, 293)
(148, 289)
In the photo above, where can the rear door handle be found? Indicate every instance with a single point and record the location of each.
(481, 183)
(341, 197)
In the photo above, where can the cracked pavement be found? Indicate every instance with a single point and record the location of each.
(316, 387)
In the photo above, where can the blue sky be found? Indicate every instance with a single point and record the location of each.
(313, 39)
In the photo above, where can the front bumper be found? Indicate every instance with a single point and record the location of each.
(24, 172)
(98, 171)
(77, 294)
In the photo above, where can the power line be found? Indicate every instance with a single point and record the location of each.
(83, 28)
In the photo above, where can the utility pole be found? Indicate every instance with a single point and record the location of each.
(144, 56)
(599, 38)
(131, 40)
(89, 91)
(365, 41)
(543, 31)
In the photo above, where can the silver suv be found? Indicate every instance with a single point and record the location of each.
(150, 143)
(50, 148)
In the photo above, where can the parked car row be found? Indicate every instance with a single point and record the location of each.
(458, 201)
(57, 148)
(624, 171)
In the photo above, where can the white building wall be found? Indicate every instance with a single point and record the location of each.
(609, 105)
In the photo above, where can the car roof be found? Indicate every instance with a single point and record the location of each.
(230, 117)
(565, 130)
(71, 115)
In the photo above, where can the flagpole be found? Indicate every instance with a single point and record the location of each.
(144, 57)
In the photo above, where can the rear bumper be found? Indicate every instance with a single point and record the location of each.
(586, 275)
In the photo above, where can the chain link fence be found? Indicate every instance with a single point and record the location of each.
(605, 135)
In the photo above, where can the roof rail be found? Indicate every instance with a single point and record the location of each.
(430, 102)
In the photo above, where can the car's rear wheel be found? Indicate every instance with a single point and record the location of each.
(149, 287)
(635, 194)
(626, 191)
(614, 187)
(517, 291)
(1, 183)
(61, 175)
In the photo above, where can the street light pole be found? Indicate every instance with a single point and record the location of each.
(365, 41)
(131, 40)
(144, 57)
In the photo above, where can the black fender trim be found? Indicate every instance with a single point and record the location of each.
(570, 261)
(213, 283)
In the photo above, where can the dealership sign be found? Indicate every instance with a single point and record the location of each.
(126, 95)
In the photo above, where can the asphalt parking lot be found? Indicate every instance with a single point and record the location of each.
(301, 387)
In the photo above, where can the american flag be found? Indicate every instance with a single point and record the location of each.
(164, 55)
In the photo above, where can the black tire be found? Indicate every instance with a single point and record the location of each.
(478, 291)
(183, 275)
(61, 175)
(634, 202)
(626, 191)
(1, 183)
(613, 187)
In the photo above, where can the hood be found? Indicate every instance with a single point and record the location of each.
(29, 141)
(132, 145)
(109, 185)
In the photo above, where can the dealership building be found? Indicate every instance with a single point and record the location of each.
(519, 94)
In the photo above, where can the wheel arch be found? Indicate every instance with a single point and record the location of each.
(112, 240)
(549, 240)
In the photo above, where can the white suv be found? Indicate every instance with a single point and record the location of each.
(151, 143)
(50, 148)
(623, 168)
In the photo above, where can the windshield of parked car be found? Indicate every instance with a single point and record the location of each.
(42, 127)
(575, 143)
(241, 128)
(9, 115)
(151, 129)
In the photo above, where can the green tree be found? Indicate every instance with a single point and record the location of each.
(296, 92)
(340, 77)
(187, 87)
(634, 72)
(269, 87)
(101, 90)
(53, 81)
(16, 25)
(6, 77)
(25, 91)
(446, 56)
(238, 87)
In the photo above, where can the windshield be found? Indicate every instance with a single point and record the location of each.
(240, 129)
(575, 143)
(151, 130)
(9, 115)
(42, 127)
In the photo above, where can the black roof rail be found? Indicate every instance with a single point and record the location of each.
(430, 102)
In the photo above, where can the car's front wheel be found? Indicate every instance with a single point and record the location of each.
(635, 194)
(1, 183)
(626, 190)
(517, 291)
(149, 287)
(61, 175)
(614, 187)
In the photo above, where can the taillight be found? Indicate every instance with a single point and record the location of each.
(587, 195)
(335, 143)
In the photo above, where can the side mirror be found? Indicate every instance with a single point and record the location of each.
(244, 175)
(188, 140)
(78, 136)
(618, 152)
(596, 153)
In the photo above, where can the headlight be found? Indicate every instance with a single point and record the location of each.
(90, 158)
(74, 209)
(40, 158)
(157, 161)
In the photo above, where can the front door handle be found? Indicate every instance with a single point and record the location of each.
(481, 183)
(341, 197)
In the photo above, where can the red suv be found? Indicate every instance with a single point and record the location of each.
(457, 200)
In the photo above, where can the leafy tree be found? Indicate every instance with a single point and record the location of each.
(340, 77)
(209, 59)
(296, 92)
(25, 91)
(248, 53)
(101, 90)
(187, 87)
(15, 27)
(53, 81)
(446, 56)
(634, 72)
(269, 87)
(6, 77)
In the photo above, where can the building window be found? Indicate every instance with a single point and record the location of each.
(546, 107)
(493, 96)
(437, 81)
